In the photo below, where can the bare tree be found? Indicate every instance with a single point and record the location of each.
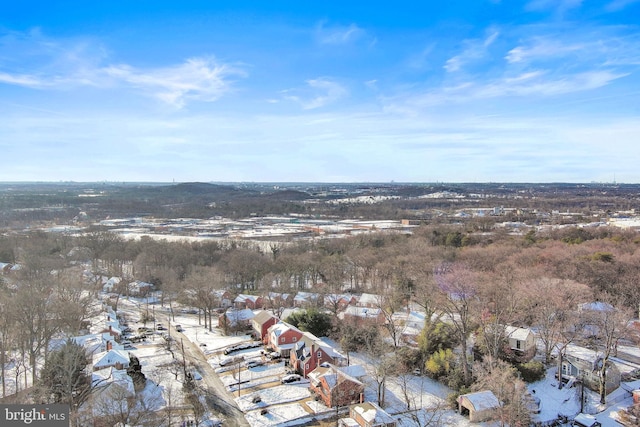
(458, 285)
(554, 303)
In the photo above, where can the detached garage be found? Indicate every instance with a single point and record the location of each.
(481, 406)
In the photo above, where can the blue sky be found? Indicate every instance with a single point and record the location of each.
(470, 91)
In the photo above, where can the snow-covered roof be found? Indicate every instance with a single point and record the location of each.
(482, 400)
(243, 298)
(596, 306)
(516, 333)
(365, 312)
(306, 297)
(233, 315)
(373, 414)
(369, 299)
(110, 358)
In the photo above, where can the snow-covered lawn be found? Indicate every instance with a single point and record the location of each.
(277, 395)
(255, 376)
(282, 415)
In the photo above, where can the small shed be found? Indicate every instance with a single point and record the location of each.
(481, 405)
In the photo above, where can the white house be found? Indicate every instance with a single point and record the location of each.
(118, 359)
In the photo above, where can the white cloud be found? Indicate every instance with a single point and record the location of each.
(200, 79)
(474, 50)
(338, 34)
(22, 80)
(56, 64)
(318, 93)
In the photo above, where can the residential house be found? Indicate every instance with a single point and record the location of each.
(235, 319)
(252, 302)
(335, 387)
(282, 337)
(140, 288)
(339, 302)
(593, 314)
(306, 299)
(480, 406)
(276, 300)
(581, 363)
(367, 414)
(521, 343)
(111, 285)
(362, 315)
(224, 297)
(112, 394)
(369, 300)
(413, 326)
(261, 323)
(93, 343)
(310, 352)
(118, 359)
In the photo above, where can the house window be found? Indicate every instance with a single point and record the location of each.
(307, 366)
(518, 344)
(294, 339)
(319, 355)
(282, 340)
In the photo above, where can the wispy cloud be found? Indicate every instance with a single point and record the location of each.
(56, 64)
(200, 79)
(318, 93)
(337, 34)
(474, 50)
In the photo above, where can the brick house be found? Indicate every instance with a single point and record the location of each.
(252, 302)
(310, 352)
(335, 387)
(282, 337)
(261, 323)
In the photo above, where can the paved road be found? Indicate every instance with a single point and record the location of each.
(218, 398)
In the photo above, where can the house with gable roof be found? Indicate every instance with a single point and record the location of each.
(367, 414)
(261, 323)
(310, 352)
(282, 337)
(369, 300)
(584, 364)
(306, 299)
(335, 387)
(339, 301)
(521, 343)
(252, 302)
(118, 359)
(362, 315)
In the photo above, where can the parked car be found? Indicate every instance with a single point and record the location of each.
(179, 328)
(242, 346)
(254, 363)
(290, 378)
(231, 360)
(160, 327)
(274, 355)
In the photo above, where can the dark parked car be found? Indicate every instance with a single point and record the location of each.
(290, 378)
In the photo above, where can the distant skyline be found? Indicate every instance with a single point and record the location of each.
(405, 91)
